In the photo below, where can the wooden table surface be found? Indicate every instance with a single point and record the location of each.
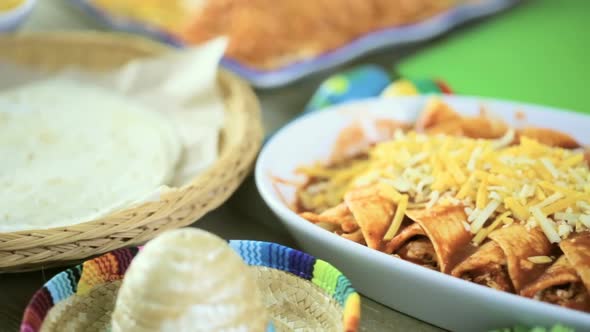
(244, 216)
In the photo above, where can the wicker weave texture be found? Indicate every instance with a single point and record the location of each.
(294, 304)
(297, 304)
(241, 138)
(90, 313)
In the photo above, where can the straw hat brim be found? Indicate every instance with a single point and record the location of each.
(298, 290)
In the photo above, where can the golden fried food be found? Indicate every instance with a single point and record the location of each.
(267, 34)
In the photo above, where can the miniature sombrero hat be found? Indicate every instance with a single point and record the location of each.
(298, 291)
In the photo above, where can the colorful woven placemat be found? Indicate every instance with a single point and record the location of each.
(309, 284)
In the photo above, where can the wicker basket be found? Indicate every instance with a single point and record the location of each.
(241, 138)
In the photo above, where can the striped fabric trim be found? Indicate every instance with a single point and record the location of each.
(320, 272)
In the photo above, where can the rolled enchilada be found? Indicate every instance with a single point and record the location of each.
(503, 262)
(435, 238)
(484, 202)
(567, 281)
(369, 209)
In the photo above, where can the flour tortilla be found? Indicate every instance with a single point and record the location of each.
(71, 152)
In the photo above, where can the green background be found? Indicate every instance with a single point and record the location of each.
(538, 52)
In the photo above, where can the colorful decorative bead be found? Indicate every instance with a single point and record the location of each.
(400, 87)
(406, 87)
(361, 82)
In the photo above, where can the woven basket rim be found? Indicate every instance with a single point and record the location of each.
(321, 275)
(242, 134)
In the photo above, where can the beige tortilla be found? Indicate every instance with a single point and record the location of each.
(71, 152)
(177, 114)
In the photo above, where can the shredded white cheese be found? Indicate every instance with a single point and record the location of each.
(474, 157)
(564, 230)
(550, 200)
(570, 218)
(494, 196)
(486, 213)
(434, 196)
(466, 226)
(540, 259)
(550, 167)
(548, 226)
(504, 140)
(534, 183)
(417, 158)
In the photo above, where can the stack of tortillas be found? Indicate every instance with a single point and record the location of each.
(77, 146)
(71, 152)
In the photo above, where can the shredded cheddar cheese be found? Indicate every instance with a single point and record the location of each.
(480, 236)
(397, 218)
(498, 183)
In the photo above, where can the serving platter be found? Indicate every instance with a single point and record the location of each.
(428, 295)
(270, 78)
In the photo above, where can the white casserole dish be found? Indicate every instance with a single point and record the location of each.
(428, 295)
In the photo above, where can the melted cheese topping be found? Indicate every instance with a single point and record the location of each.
(530, 183)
